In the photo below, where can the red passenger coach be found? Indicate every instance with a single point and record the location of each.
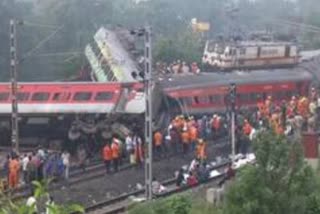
(206, 93)
(64, 98)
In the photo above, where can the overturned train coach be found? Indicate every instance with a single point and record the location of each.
(49, 110)
(206, 93)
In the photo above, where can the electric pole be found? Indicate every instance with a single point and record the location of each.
(148, 111)
(233, 99)
(146, 77)
(14, 86)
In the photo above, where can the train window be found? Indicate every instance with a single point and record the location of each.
(254, 97)
(4, 96)
(59, 96)
(244, 97)
(196, 100)
(215, 99)
(280, 95)
(186, 101)
(289, 94)
(82, 96)
(204, 99)
(100, 96)
(40, 96)
(22, 96)
(242, 51)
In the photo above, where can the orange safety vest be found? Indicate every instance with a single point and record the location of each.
(185, 137)
(193, 133)
(201, 151)
(157, 138)
(107, 153)
(115, 150)
(14, 166)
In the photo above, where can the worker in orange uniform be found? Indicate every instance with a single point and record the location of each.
(107, 157)
(158, 139)
(185, 138)
(247, 128)
(115, 148)
(193, 135)
(303, 107)
(268, 106)
(14, 167)
(201, 150)
(216, 125)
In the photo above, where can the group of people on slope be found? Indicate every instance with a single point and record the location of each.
(37, 165)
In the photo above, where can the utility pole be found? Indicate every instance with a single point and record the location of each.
(14, 86)
(233, 99)
(148, 111)
(146, 77)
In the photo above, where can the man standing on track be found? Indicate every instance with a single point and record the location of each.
(14, 168)
(115, 154)
(158, 140)
(107, 157)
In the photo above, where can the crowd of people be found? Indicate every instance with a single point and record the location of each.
(37, 165)
(177, 67)
(288, 118)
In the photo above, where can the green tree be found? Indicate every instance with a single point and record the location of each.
(185, 46)
(279, 182)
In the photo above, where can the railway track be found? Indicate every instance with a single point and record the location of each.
(111, 186)
(121, 203)
(97, 171)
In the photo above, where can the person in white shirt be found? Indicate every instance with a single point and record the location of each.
(25, 161)
(193, 165)
(66, 162)
(32, 204)
(129, 144)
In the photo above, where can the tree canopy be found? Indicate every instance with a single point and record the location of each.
(279, 182)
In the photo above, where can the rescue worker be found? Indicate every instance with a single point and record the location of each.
(268, 107)
(302, 107)
(138, 149)
(158, 140)
(193, 134)
(107, 157)
(215, 125)
(14, 167)
(185, 138)
(247, 128)
(115, 148)
(201, 150)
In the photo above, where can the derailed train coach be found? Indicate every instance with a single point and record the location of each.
(51, 109)
(207, 92)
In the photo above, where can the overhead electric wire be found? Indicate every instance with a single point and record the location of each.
(41, 43)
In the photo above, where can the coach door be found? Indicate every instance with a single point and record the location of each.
(287, 51)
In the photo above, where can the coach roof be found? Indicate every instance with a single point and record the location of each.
(237, 77)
